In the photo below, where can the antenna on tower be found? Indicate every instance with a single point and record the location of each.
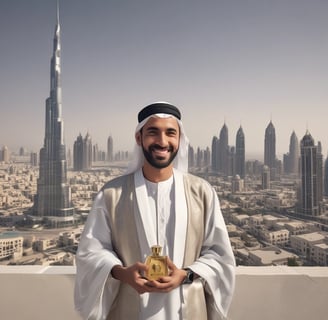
(57, 12)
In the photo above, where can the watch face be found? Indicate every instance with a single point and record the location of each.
(189, 277)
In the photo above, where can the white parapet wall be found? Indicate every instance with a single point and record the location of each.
(262, 293)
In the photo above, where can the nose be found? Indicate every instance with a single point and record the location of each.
(162, 139)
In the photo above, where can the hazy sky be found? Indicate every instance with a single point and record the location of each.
(239, 62)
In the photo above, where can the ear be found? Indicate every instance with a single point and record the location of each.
(138, 138)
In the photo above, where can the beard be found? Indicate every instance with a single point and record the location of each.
(159, 162)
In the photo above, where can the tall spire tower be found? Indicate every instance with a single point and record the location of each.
(270, 149)
(240, 153)
(53, 199)
(311, 176)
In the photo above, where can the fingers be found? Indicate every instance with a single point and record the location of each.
(164, 284)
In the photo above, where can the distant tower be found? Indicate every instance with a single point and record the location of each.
(231, 163)
(291, 159)
(270, 149)
(78, 154)
(95, 153)
(240, 153)
(33, 159)
(320, 173)
(224, 150)
(5, 157)
(53, 199)
(207, 157)
(325, 191)
(191, 157)
(266, 180)
(82, 153)
(311, 188)
(87, 152)
(215, 154)
(110, 149)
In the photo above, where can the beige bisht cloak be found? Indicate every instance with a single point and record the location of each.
(116, 232)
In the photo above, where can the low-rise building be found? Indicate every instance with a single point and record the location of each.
(270, 256)
(279, 237)
(11, 246)
(311, 247)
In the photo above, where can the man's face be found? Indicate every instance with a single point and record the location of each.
(159, 139)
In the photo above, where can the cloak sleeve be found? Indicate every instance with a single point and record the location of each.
(95, 289)
(216, 264)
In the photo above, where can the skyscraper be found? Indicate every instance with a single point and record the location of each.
(215, 154)
(78, 153)
(4, 155)
(311, 176)
(110, 149)
(224, 150)
(325, 189)
(266, 182)
(291, 159)
(53, 199)
(191, 157)
(82, 153)
(270, 149)
(240, 153)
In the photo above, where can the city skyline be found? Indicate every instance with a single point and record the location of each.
(221, 62)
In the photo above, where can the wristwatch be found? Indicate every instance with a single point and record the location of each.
(189, 276)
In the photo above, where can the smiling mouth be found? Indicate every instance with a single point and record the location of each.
(160, 151)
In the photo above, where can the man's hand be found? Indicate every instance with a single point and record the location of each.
(133, 276)
(170, 282)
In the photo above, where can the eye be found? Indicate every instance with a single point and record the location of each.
(171, 132)
(152, 132)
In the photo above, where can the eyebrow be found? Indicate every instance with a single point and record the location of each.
(151, 128)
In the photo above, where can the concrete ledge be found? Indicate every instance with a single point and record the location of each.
(262, 293)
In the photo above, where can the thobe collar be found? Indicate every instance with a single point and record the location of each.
(147, 233)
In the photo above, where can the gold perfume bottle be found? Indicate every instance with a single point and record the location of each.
(157, 264)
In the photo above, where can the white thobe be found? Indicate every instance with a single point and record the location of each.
(95, 289)
(159, 211)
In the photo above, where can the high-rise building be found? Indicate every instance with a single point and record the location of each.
(95, 153)
(224, 150)
(231, 163)
(191, 157)
(87, 152)
(207, 157)
(270, 149)
(325, 189)
(215, 154)
(78, 153)
(5, 156)
(240, 153)
(53, 199)
(22, 151)
(320, 173)
(34, 159)
(311, 176)
(291, 159)
(82, 153)
(110, 149)
(266, 180)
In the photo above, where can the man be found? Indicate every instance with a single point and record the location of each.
(155, 202)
